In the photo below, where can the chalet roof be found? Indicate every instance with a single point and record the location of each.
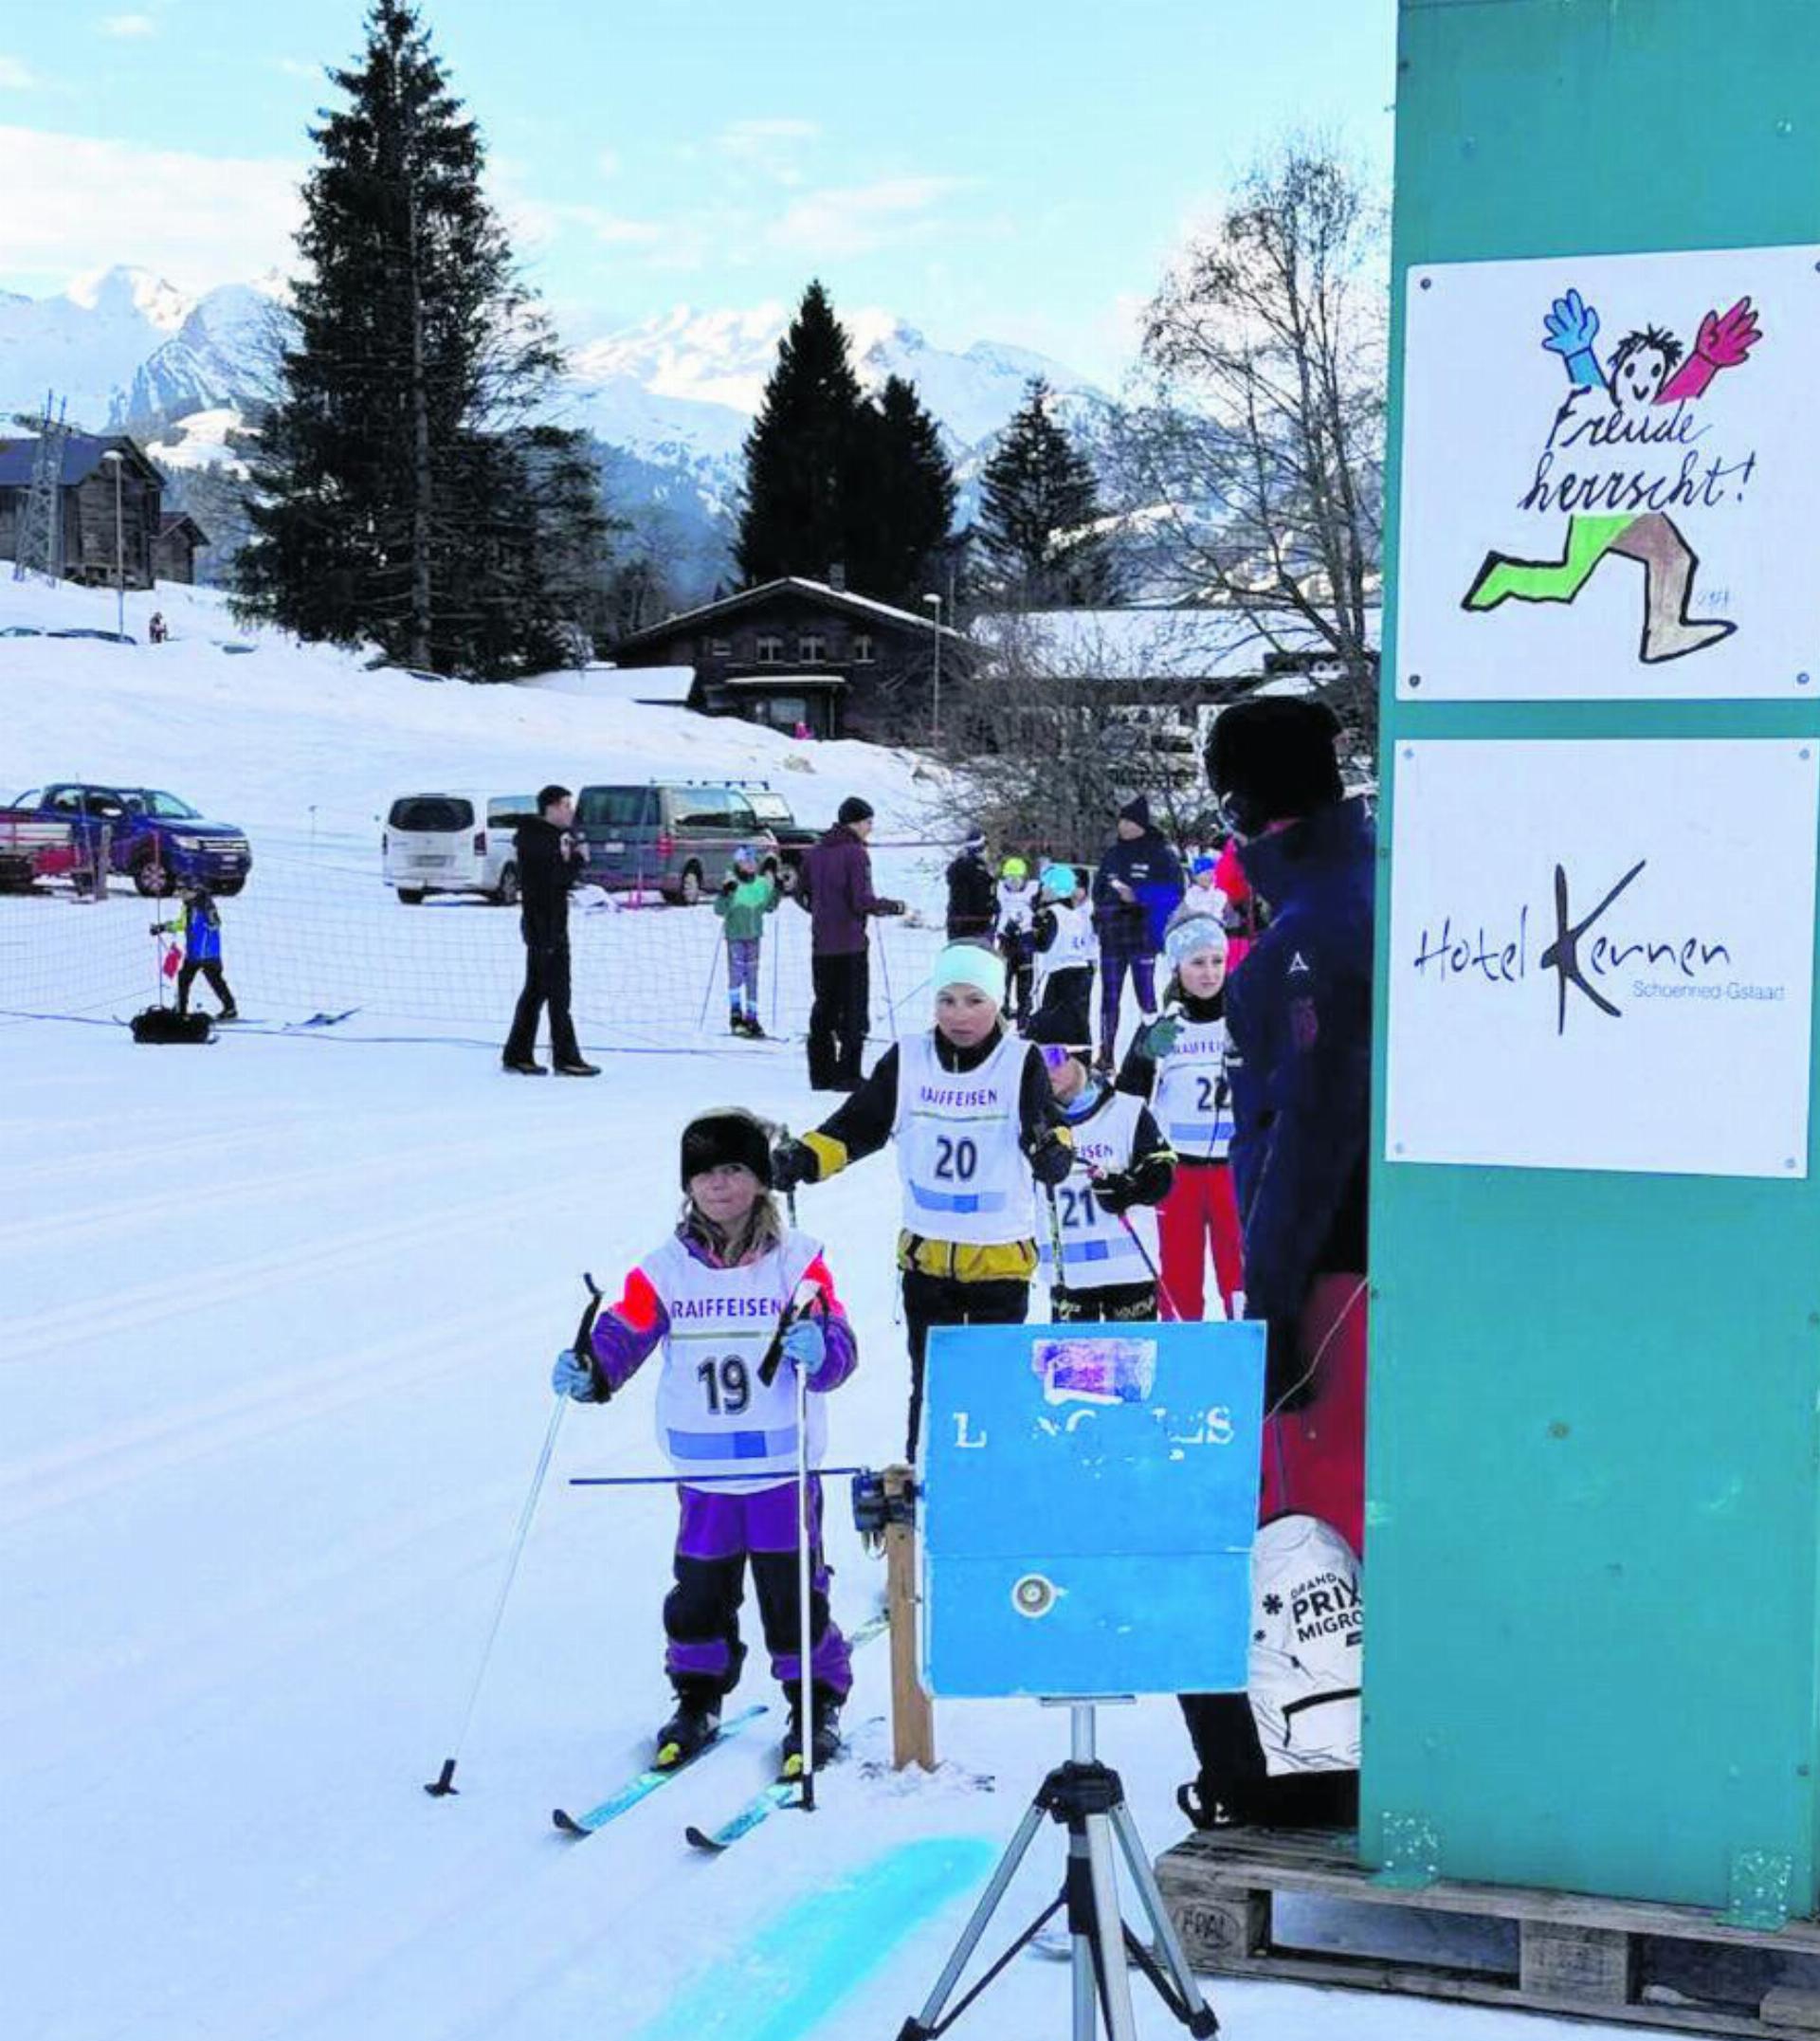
(82, 454)
(169, 520)
(1150, 645)
(863, 606)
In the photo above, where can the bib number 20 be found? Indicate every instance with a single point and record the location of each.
(956, 1160)
(727, 1383)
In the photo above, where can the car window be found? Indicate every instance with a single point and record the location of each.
(107, 803)
(167, 806)
(615, 808)
(506, 811)
(67, 800)
(773, 807)
(741, 812)
(432, 813)
(703, 807)
(32, 797)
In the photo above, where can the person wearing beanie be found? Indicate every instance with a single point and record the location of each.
(747, 895)
(1136, 889)
(715, 1297)
(1014, 907)
(1300, 1018)
(1203, 895)
(967, 1105)
(835, 889)
(1065, 952)
(1102, 1220)
(972, 897)
(1180, 1065)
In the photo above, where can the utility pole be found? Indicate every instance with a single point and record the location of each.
(935, 702)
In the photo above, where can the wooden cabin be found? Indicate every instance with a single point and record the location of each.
(95, 525)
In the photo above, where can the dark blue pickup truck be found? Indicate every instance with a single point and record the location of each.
(153, 837)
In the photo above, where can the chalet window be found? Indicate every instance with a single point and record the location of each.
(719, 647)
(811, 647)
(863, 649)
(770, 649)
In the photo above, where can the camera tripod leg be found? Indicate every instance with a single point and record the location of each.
(1198, 2014)
(1121, 2021)
(929, 2019)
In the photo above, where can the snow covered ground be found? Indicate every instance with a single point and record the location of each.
(280, 1319)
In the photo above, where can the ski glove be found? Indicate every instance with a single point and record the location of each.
(1051, 1156)
(1115, 1191)
(574, 1376)
(806, 1348)
(791, 1162)
(1160, 1037)
(889, 907)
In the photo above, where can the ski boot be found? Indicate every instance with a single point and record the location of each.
(692, 1728)
(736, 1022)
(826, 1737)
(754, 1031)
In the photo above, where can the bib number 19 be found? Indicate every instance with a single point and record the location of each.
(727, 1383)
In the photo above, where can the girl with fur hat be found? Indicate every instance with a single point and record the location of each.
(968, 1106)
(713, 1296)
(1180, 1066)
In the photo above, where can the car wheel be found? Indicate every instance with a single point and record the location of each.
(688, 893)
(228, 888)
(412, 895)
(507, 892)
(153, 879)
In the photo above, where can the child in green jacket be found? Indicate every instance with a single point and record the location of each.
(747, 895)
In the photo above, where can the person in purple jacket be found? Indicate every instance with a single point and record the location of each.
(835, 887)
(713, 1296)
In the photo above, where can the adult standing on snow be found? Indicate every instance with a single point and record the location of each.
(1138, 887)
(973, 894)
(550, 858)
(836, 889)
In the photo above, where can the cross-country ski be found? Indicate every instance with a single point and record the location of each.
(643, 1784)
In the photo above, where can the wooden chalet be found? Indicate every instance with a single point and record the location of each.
(174, 551)
(796, 652)
(88, 541)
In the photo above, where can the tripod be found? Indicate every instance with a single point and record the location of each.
(1087, 1799)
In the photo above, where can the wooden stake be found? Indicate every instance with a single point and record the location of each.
(913, 1717)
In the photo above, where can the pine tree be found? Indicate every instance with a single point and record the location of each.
(406, 493)
(799, 453)
(900, 496)
(1039, 514)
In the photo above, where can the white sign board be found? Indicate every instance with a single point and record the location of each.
(1601, 955)
(1611, 477)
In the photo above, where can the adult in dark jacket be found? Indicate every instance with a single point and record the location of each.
(550, 859)
(1299, 1014)
(973, 893)
(835, 886)
(1138, 887)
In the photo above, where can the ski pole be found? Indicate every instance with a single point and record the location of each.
(804, 1528)
(884, 974)
(1143, 1255)
(444, 1781)
(1058, 1287)
(707, 990)
(789, 1195)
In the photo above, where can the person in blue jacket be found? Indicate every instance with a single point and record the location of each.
(197, 925)
(1138, 887)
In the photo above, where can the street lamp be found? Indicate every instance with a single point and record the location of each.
(113, 459)
(935, 703)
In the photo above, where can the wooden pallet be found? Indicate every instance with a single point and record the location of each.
(1576, 1954)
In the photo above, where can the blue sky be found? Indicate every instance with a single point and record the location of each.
(987, 169)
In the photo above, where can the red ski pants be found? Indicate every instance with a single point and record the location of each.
(1313, 1458)
(1201, 1206)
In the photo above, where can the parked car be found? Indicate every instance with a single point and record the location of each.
(20, 630)
(775, 812)
(33, 848)
(453, 843)
(106, 637)
(677, 838)
(153, 837)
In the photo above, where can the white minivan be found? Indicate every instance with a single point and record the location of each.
(454, 843)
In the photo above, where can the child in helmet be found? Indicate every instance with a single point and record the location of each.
(1062, 938)
(1016, 906)
(1203, 895)
(1179, 1064)
(713, 1296)
(968, 1106)
(748, 893)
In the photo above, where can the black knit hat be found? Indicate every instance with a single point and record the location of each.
(1273, 759)
(853, 809)
(1136, 810)
(729, 1135)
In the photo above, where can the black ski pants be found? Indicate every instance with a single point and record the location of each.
(546, 983)
(837, 1021)
(210, 969)
(1113, 1304)
(945, 1301)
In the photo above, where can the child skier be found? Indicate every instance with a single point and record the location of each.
(1102, 1218)
(968, 1104)
(1179, 1063)
(1203, 895)
(714, 1295)
(747, 895)
(1015, 905)
(1062, 938)
(197, 925)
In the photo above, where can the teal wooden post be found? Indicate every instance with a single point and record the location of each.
(1591, 1575)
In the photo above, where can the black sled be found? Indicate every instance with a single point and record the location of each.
(160, 1023)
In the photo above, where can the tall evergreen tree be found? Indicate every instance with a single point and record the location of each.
(405, 492)
(900, 496)
(800, 450)
(1039, 514)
